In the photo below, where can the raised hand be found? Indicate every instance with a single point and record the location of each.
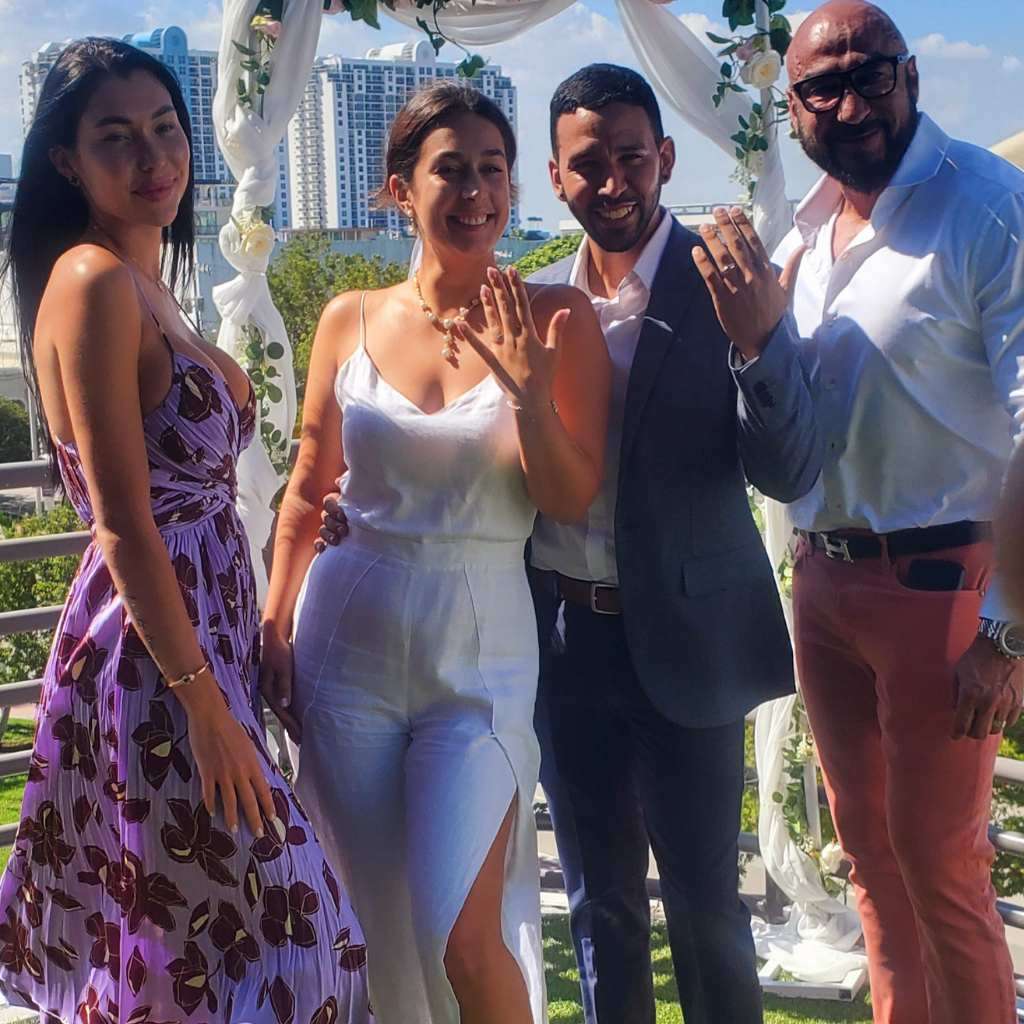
(522, 364)
(749, 299)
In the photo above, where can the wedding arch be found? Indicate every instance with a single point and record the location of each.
(730, 96)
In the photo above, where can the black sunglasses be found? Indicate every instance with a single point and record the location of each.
(871, 80)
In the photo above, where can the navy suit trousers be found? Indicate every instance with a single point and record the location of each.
(625, 776)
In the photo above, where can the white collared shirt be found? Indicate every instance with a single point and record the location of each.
(586, 551)
(914, 337)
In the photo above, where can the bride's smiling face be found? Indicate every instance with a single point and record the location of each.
(460, 192)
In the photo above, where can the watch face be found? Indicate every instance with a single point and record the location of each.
(1013, 640)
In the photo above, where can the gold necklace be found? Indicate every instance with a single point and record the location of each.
(444, 324)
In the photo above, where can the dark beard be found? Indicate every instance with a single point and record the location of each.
(853, 168)
(611, 239)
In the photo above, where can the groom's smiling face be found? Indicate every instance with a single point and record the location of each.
(609, 169)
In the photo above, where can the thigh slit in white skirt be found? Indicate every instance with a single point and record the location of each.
(415, 679)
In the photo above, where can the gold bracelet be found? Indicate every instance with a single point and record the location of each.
(188, 678)
(517, 407)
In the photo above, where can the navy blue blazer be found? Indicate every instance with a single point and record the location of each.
(701, 610)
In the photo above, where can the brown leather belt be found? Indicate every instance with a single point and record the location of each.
(600, 598)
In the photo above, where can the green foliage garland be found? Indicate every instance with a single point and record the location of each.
(753, 59)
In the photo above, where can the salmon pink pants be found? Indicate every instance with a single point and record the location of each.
(911, 805)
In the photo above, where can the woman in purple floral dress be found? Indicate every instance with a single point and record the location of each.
(162, 871)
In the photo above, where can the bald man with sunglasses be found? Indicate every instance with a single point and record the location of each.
(908, 310)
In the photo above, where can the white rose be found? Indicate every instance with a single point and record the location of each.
(831, 858)
(257, 239)
(762, 70)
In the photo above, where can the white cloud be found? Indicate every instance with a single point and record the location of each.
(935, 44)
(700, 25)
(797, 18)
(1012, 64)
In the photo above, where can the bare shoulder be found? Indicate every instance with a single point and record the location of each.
(338, 332)
(90, 295)
(90, 272)
(548, 299)
(582, 332)
(341, 312)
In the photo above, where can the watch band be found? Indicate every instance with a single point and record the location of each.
(996, 630)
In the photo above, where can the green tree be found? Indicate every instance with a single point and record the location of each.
(14, 434)
(35, 584)
(550, 252)
(307, 275)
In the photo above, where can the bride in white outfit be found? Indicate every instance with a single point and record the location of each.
(457, 403)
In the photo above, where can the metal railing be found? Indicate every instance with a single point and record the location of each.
(36, 474)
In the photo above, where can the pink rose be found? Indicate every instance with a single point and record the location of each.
(745, 52)
(268, 27)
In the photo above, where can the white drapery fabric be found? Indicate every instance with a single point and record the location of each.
(817, 943)
(248, 139)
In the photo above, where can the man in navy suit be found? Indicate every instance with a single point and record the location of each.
(673, 629)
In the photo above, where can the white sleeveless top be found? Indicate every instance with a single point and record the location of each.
(454, 475)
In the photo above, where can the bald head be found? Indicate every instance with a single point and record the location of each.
(838, 27)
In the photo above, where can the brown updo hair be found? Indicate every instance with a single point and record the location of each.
(434, 107)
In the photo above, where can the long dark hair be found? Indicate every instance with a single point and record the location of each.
(50, 214)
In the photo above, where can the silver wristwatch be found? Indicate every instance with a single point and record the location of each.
(1008, 637)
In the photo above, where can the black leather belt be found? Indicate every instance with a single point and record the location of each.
(598, 597)
(848, 546)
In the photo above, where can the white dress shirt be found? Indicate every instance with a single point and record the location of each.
(586, 551)
(913, 338)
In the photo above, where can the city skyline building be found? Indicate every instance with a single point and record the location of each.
(338, 135)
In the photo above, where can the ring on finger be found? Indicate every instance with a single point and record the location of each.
(997, 725)
(728, 268)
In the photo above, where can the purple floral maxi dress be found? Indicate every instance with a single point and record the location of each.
(123, 900)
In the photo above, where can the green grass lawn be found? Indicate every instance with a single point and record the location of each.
(17, 736)
(563, 987)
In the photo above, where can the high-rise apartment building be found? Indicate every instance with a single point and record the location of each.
(30, 80)
(338, 136)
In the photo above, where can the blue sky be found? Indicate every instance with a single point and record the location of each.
(971, 56)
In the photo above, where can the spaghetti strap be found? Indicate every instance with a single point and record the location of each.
(362, 321)
(142, 296)
(152, 313)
